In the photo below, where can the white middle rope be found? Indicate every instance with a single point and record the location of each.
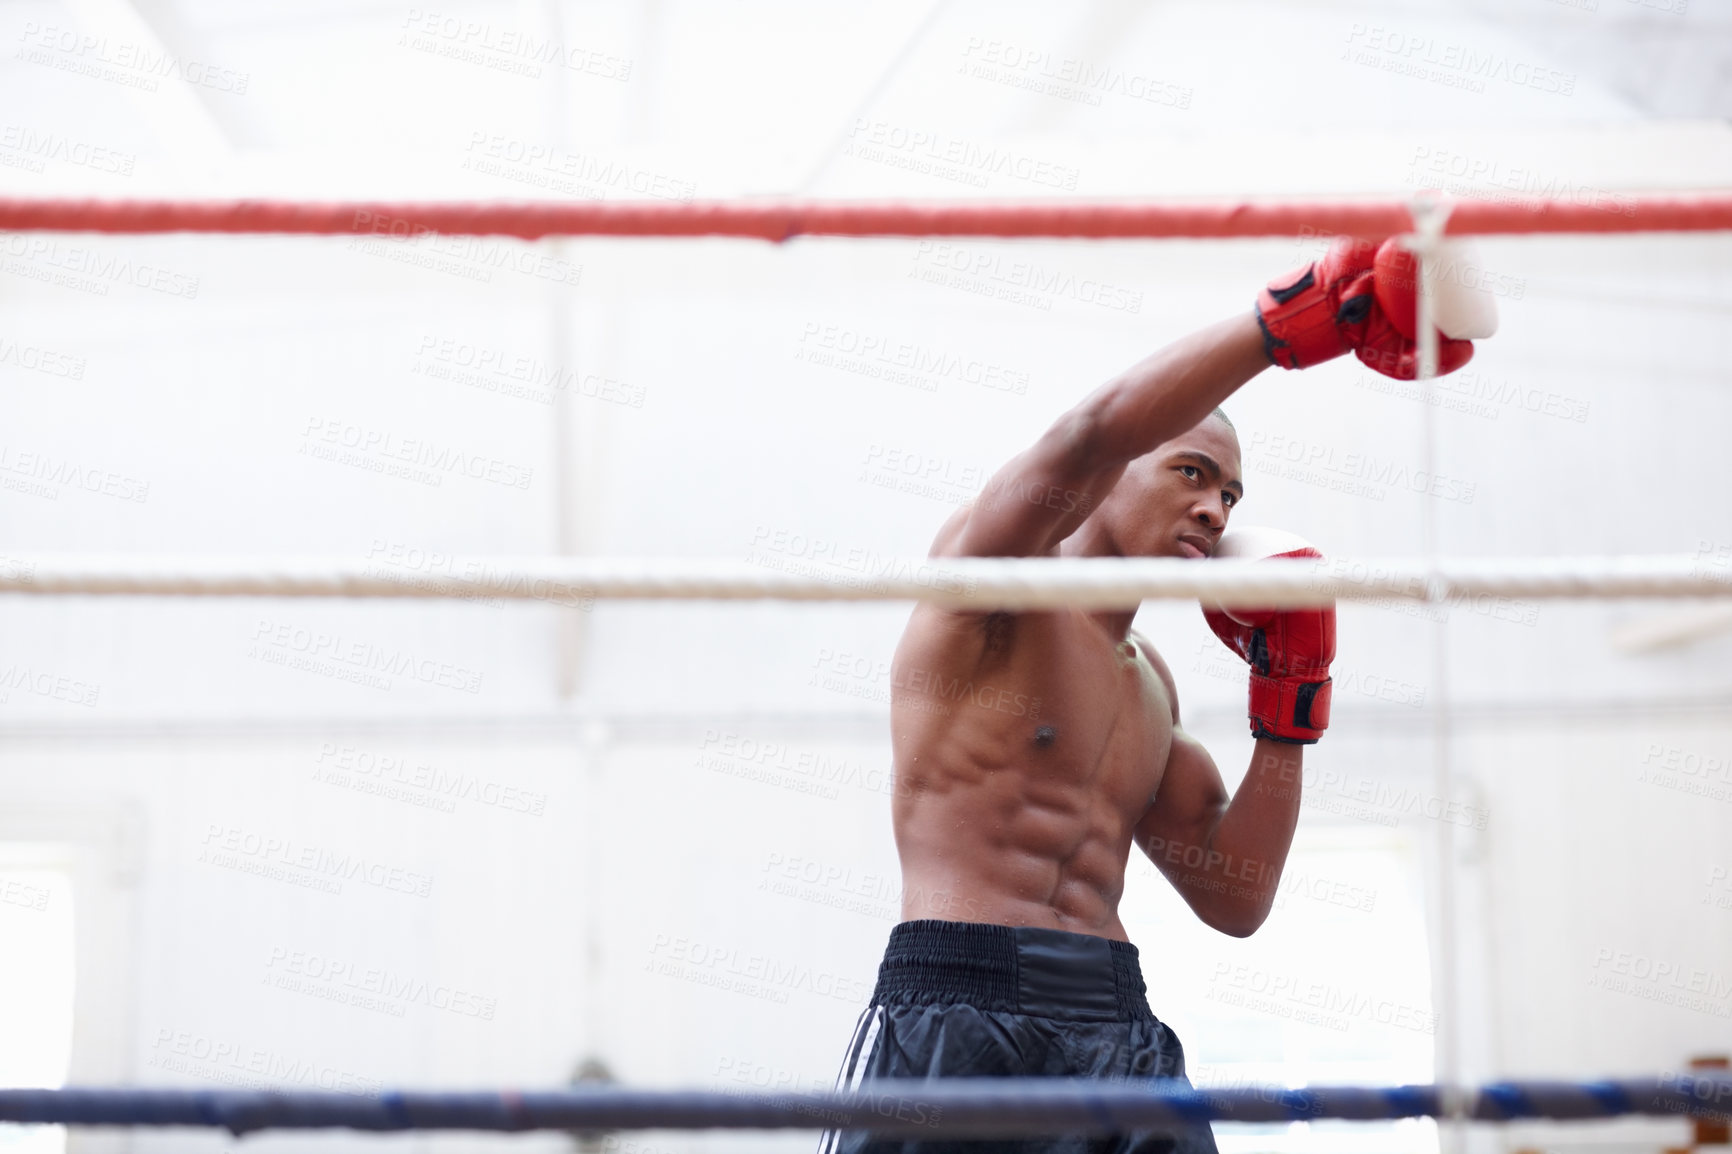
(802, 573)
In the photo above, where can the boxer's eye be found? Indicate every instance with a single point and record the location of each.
(1229, 499)
(1191, 472)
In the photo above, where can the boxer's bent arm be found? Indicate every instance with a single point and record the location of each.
(1224, 856)
(1046, 492)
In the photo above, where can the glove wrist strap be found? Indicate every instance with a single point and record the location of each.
(1290, 709)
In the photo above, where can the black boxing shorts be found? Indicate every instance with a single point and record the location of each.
(959, 1000)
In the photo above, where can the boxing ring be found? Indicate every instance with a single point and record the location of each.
(976, 1108)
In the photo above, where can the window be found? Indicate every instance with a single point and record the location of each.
(1334, 989)
(37, 970)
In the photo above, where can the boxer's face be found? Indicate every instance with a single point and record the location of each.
(1182, 494)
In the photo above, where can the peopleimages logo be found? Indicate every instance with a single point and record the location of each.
(470, 257)
(284, 639)
(579, 173)
(1664, 980)
(315, 867)
(17, 678)
(852, 566)
(415, 458)
(921, 474)
(514, 374)
(504, 49)
(1066, 77)
(996, 273)
(368, 771)
(133, 65)
(54, 474)
(1459, 172)
(37, 359)
(921, 690)
(758, 975)
(1354, 473)
(370, 987)
(1318, 1003)
(800, 770)
(87, 269)
(1451, 64)
(901, 362)
(234, 1063)
(938, 154)
(36, 149)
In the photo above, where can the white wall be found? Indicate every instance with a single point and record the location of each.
(617, 802)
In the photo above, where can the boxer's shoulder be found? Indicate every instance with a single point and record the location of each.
(1137, 646)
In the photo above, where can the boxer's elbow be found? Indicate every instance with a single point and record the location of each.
(1237, 927)
(1237, 920)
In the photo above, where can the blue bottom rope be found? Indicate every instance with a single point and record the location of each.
(979, 1107)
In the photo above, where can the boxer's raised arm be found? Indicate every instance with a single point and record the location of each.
(1358, 297)
(1043, 494)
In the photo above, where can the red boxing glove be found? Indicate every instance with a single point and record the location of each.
(1358, 297)
(1390, 343)
(1289, 650)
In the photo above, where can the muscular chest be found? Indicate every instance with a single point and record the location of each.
(1113, 715)
(1098, 711)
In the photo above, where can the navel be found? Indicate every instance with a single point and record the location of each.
(1045, 736)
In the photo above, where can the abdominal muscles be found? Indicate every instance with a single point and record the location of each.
(1023, 817)
(1018, 844)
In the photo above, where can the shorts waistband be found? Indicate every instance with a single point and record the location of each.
(1012, 969)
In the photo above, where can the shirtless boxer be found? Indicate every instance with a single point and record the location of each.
(1033, 749)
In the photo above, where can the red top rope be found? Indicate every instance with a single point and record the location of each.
(778, 220)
